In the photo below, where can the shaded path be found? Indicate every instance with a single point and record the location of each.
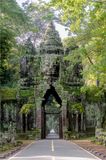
(52, 136)
(53, 150)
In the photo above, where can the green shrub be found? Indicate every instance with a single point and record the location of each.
(8, 93)
(26, 108)
(9, 146)
(23, 136)
(19, 143)
(101, 138)
(71, 135)
(93, 139)
(11, 93)
(29, 135)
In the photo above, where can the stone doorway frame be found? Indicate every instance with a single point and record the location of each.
(43, 123)
(50, 91)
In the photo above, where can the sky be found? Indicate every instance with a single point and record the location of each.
(62, 32)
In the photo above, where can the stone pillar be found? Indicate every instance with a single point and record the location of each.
(34, 118)
(43, 126)
(98, 117)
(82, 122)
(0, 112)
(21, 122)
(84, 127)
(60, 126)
(64, 117)
(38, 118)
(77, 125)
(18, 117)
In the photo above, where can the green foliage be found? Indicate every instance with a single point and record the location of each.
(77, 107)
(52, 106)
(40, 15)
(12, 16)
(86, 20)
(26, 108)
(22, 136)
(52, 123)
(93, 93)
(11, 93)
(6, 43)
(70, 44)
(6, 39)
(8, 146)
(13, 21)
(100, 138)
(26, 93)
(29, 135)
(71, 135)
(8, 93)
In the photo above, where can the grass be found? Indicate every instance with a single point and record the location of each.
(9, 147)
(87, 138)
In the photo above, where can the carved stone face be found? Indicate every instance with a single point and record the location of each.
(50, 68)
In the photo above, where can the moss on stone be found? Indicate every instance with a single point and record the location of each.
(26, 93)
(11, 93)
(8, 93)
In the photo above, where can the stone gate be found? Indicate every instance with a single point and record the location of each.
(52, 51)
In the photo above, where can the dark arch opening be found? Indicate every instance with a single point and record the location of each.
(49, 92)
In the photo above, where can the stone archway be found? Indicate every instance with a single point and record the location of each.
(44, 112)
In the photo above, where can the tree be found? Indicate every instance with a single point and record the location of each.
(13, 22)
(87, 20)
(6, 41)
(40, 15)
(69, 44)
(13, 17)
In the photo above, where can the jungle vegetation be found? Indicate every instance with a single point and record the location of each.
(21, 33)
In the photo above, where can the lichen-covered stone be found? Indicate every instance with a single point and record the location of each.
(51, 43)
